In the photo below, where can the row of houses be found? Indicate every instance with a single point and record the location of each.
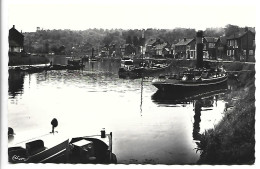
(239, 46)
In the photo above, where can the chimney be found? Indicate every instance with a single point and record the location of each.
(14, 26)
(21, 31)
(184, 39)
(246, 29)
(199, 43)
(143, 34)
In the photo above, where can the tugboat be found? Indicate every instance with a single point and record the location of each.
(193, 79)
(54, 148)
(128, 70)
(74, 64)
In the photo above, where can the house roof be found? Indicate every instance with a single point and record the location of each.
(151, 41)
(167, 49)
(239, 35)
(161, 46)
(211, 39)
(15, 32)
(16, 37)
(127, 45)
(223, 39)
(182, 42)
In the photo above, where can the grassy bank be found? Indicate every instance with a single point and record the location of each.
(232, 141)
(18, 59)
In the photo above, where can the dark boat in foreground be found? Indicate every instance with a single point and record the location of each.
(54, 148)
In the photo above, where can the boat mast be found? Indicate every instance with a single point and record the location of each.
(142, 80)
(199, 43)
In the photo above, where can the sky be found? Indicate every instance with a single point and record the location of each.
(26, 15)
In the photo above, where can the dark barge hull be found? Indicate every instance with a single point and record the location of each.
(179, 86)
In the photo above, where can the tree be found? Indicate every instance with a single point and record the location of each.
(46, 47)
(231, 29)
(136, 41)
(129, 39)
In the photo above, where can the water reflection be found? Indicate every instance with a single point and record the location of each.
(145, 130)
(202, 101)
(164, 98)
(15, 83)
(197, 119)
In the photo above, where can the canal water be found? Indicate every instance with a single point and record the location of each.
(146, 129)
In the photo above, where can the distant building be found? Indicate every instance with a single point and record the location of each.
(157, 47)
(162, 49)
(127, 49)
(241, 46)
(172, 48)
(150, 47)
(210, 47)
(185, 49)
(16, 40)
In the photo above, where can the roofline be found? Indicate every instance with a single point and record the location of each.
(184, 44)
(241, 35)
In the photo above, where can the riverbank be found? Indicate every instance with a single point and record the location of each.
(16, 59)
(232, 141)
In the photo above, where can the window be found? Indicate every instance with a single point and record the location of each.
(235, 43)
(211, 45)
(251, 52)
(228, 52)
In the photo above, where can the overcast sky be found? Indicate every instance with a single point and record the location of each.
(134, 14)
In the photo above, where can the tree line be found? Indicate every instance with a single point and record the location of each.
(71, 41)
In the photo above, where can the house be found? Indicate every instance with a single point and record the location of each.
(185, 49)
(150, 47)
(127, 49)
(210, 47)
(16, 40)
(162, 49)
(172, 48)
(241, 46)
(112, 50)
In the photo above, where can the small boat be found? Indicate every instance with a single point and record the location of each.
(74, 64)
(57, 67)
(55, 148)
(129, 70)
(156, 66)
